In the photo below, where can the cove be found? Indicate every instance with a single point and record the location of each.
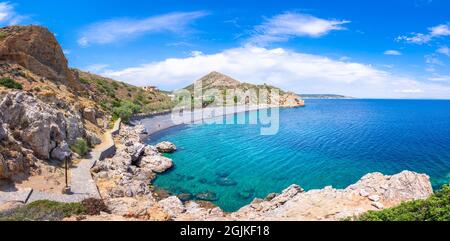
(330, 142)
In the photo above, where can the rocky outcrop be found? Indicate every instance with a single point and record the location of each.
(134, 165)
(40, 127)
(166, 147)
(291, 100)
(37, 49)
(374, 191)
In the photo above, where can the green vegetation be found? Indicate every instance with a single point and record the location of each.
(84, 81)
(44, 211)
(54, 211)
(80, 147)
(122, 100)
(125, 110)
(435, 208)
(10, 83)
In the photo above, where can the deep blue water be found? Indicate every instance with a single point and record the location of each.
(329, 142)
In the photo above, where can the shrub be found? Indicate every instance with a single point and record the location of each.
(94, 206)
(84, 81)
(80, 147)
(126, 110)
(44, 211)
(435, 208)
(10, 83)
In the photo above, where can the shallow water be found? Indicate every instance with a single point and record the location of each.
(329, 142)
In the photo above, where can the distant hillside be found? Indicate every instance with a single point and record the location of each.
(222, 82)
(324, 96)
(216, 80)
(119, 98)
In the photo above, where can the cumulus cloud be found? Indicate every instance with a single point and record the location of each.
(8, 15)
(290, 70)
(392, 52)
(289, 25)
(444, 50)
(421, 38)
(111, 31)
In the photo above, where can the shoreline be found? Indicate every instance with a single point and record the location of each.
(158, 122)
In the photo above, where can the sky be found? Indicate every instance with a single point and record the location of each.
(365, 49)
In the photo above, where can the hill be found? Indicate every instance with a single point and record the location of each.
(222, 82)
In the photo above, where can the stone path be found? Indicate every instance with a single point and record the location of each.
(82, 184)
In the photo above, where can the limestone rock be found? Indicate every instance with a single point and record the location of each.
(61, 152)
(136, 151)
(93, 139)
(158, 164)
(90, 115)
(40, 127)
(173, 206)
(3, 132)
(166, 147)
(37, 49)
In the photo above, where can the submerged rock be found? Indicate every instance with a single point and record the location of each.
(166, 147)
(226, 182)
(207, 196)
(247, 194)
(184, 197)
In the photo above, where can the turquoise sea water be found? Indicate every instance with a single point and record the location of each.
(329, 142)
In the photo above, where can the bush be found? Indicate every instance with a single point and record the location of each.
(94, 206)
(80, 147)
(44, 211)
(435, 208)
(126, 110)
(10, 83)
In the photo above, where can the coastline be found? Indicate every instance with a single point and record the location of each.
(158, 122)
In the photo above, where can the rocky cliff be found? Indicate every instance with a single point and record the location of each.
(36, 49)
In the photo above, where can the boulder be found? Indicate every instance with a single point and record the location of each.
(3, 132)
(61, 152)
(90, 115)
(136, 151)
(166, 147)
(173, 206)
(93, 139)
(158, 164)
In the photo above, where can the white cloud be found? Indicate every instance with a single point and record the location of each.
(409, 91)
(8, 15)
(289, 25)
(421, 38)
(97, 68)
(440, 78)
(444, 50)
(392, 52)
(431, 59)
(118, 29)
(196, 53)
(290, 70)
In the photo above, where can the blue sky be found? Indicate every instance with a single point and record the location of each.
(374, 49)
